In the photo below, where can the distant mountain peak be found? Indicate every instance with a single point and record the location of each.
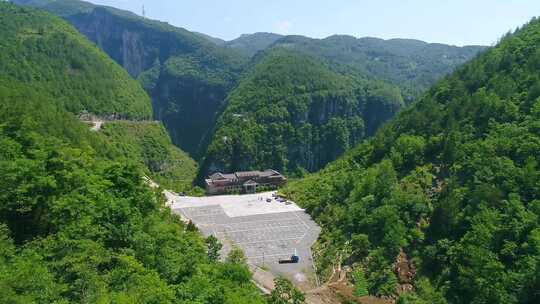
(250, 44)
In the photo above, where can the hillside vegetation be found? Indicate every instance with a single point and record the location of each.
(150, 145)
(60, 7)
(453, 182)
(78, 224)
(39, 49)
(292, 113)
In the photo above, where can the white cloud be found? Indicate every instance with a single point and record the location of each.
(282, 26)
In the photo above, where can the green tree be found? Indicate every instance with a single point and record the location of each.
(236, 256)
(360, 283)
(285, 293)
(360, 245)
(214, 246)
(191, 227)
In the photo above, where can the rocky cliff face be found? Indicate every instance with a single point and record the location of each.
(122, 44)
(189, 109)
(133, 42)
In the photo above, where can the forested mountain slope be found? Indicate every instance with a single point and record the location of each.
(412, 65)
(150, 144)
(187, 76)
(44, 51)
(291, 112)
(78, 224)
(453, 181)
(49, 52)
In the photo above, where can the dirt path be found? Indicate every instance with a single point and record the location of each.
(96, 122)
(97, 125)
(320, 295)
(263, 279)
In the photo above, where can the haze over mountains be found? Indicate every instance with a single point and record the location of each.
(419, 161)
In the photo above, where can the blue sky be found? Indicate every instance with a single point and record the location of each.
(458, 22)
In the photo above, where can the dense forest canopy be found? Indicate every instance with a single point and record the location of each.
(292, 113)
(449, 190)
(77, 226)
(78, 223)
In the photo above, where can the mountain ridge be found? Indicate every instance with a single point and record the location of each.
(412, 65)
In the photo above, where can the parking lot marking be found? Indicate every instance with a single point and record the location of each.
(259, 229)
(261, 221)
(301, 221)
(268, 241)
(265, 236)
(270, 255)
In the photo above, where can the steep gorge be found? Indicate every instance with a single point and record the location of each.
(192, 78)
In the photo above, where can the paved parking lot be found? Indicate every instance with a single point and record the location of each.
(266, 231)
